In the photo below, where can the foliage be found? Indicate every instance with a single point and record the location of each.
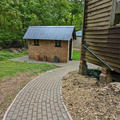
(94, 73)
(17, 15)
(76, 55)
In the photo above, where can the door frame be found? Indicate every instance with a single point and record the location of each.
(70, 49)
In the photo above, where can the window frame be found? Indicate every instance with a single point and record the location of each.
(57, 43)
(36, 42)
(114, 13)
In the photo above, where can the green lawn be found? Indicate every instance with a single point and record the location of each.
(11, 68)
(76, 55)
(10, 71)
(5, 55)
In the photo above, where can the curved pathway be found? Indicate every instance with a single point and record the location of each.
(41, 99)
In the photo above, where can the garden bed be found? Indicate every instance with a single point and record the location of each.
(85, 100)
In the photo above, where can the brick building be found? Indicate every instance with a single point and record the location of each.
(50, 43)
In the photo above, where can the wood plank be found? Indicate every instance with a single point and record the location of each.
(90, 2)
(107, 53)
(101, 2)
(97, 31)
(107, 9)
(105, 19)
(95, 61)
(99, 7)
(96, 17)
(103, 32)
(98, 24)
(96, 36)
(107, 60)
(96, 28)
(107, 45)
(103, 41)
(114, 36)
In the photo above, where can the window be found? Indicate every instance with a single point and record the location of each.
(115, 16)
(57, 43)
(36, 42)
(117, 13)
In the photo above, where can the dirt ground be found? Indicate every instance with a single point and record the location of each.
(10, 87)
(85, 100)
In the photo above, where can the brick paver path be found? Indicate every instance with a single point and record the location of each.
(41, 98)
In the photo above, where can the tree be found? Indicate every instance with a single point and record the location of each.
(17, 15)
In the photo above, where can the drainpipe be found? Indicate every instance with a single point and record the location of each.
(107, 65)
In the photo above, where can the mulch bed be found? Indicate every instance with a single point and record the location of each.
(85, 100)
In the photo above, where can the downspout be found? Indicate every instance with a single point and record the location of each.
(107, 65)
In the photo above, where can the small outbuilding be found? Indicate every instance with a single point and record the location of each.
(77, 42)
(50, 43)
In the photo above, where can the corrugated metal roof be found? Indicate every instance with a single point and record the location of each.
(79, 33)
(49, 32)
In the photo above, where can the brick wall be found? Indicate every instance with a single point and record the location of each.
(47, 48)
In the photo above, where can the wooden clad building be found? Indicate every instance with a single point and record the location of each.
(101, 33)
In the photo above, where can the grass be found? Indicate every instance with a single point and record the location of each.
(15, 75)
(76, 55)
(11, 68)
(5, 55)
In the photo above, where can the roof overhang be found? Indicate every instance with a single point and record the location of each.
(64, 33)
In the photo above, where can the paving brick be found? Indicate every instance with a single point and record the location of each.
(55, 117)
(34, 114)
(8, 118)
(44, 118)
(9, 114)
(30, 112)
(19, 118)
(24, 115)
(14, 116)
(39, 116)
(20, 113)
(26, 110)
(41, 99)
(29, 117)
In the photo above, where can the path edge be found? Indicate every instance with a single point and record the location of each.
(5, 115)
(70, 117)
